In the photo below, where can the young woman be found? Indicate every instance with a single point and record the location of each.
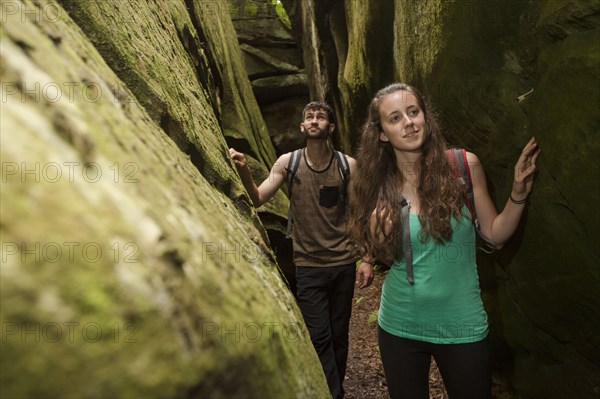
(434, 308)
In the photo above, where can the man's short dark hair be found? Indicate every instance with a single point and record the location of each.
(315, 105)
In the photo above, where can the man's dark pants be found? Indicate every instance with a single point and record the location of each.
(325, 299)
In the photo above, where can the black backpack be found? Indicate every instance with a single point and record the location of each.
(292, 168)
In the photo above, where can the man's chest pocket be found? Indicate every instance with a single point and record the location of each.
(329, 196)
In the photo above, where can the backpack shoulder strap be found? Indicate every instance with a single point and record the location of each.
(343, 165)
(406, 243)
(291, 170)
(458, 158)
(344, 169)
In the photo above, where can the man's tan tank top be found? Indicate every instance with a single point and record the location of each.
(319, 217)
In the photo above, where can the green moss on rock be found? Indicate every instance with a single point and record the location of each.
(476, 61)
(130, 275)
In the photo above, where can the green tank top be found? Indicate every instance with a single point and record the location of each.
(444, 305)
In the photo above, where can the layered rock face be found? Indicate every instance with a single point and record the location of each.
(274, 64)
(498, 73)
(132, 262)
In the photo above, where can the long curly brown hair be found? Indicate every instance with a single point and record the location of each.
(378, 180)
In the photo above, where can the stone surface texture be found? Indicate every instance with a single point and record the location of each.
(132, 264)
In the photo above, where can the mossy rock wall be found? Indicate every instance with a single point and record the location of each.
(273, 62)
(498, 73)
(132, 265)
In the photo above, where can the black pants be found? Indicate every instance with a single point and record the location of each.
(465, 368)
(325, 299)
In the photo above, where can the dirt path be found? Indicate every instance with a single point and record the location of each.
(364, 377)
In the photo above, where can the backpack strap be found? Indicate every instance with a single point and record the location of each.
(291, 170)
(406, 244)
(344, 169)
(458, 158)
(463, 173)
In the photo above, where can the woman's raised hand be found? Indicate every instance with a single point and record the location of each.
(525, 170)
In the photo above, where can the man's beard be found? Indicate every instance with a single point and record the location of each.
(319, 135)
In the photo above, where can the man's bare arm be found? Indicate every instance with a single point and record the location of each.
(267, 189)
